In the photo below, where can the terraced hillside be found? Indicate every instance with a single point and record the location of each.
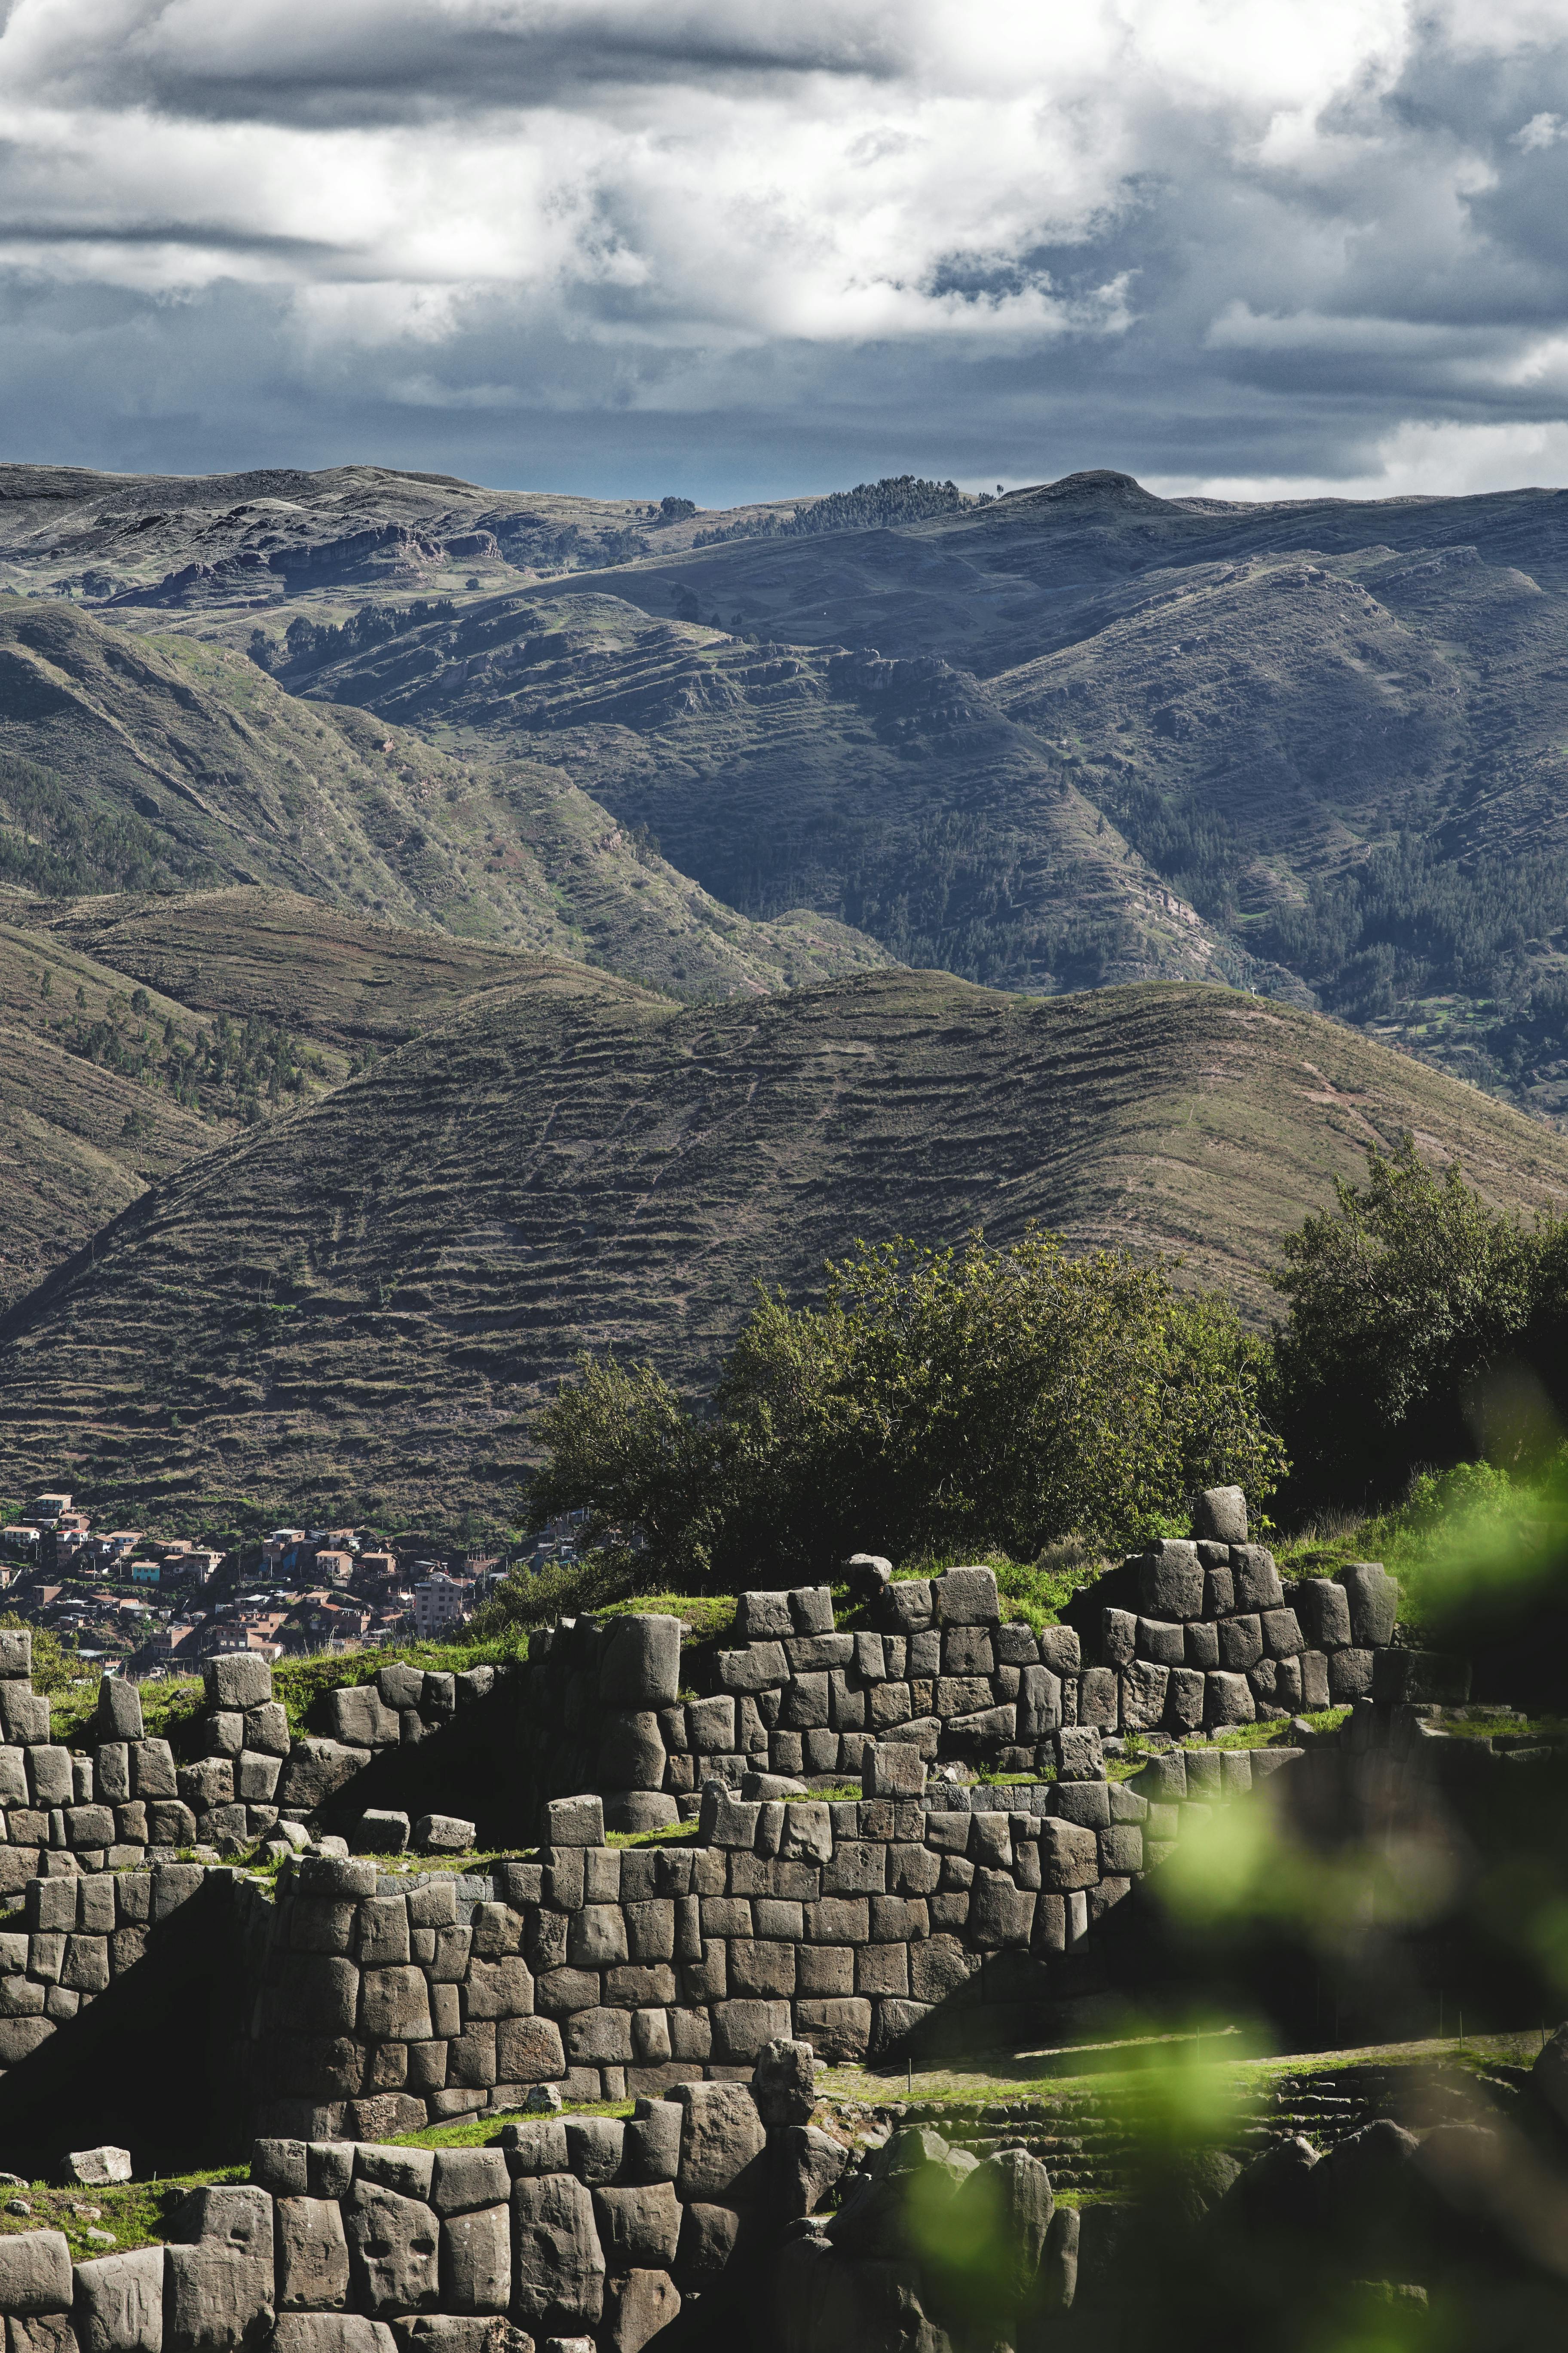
(136, 762)
(1075, 735)
(1322, 747)
(94, 1105)
(363, 1305)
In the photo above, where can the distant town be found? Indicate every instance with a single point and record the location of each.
(153, 1606)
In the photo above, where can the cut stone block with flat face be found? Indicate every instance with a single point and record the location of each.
(219, 2292)
(528, 2050)
(1099, 1699)
(238, 1680)
(1228, 1700)
(1069, 1856)
(476, 2260)
(558, 2279)
(966, 1597)
(1282, 1634)
(1142, 1694)
(120, 2303)
(638, 2228)
(1117, 1637)
(574, 1822)
(641, 1665)
(1219, 1592)
(722, 2136)
(1078, 1755)
(1350, 1676)
(1256, 1579)
(1201, 1644)
(1240, 1643)
(35, 2272)
(1219, 1516)
(1373, 1598)
(1171, 1581)
(312, 2255)
(1323, 1608)
(1160, 1640)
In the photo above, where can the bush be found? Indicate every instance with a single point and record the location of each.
(936, 1398)
(1421, 1322)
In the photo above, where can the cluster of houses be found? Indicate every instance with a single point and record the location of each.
(160, 1605)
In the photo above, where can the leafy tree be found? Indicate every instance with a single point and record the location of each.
(1412, 1305)
(935, 1398)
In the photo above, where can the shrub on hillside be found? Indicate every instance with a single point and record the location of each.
(935, 1398)
(1421, 1322)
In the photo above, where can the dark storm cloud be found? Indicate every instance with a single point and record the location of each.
(744, 249)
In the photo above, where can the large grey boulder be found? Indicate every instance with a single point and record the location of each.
(218, 2291)
(641, 1663)
(638, 2306)
(558, 2283)
(1373, 1598)
(784, 2082)
(393, 2248)
(638, 2228)
(120, 2303)
(316, 1771)
(238, 1680)
(312, 2255)
(331, 2332)
(1219, 1516)
(476, 2260)
(97, 2168)
(35, 2272)
(722, 2134)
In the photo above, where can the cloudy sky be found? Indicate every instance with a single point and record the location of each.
(741, 247)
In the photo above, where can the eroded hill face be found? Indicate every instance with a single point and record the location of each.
(363, 1305)
(129, 761)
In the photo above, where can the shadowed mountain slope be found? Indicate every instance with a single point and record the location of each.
(362, 1306)
(135, 762)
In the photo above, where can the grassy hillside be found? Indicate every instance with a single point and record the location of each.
(131, 763)
(360, 1308)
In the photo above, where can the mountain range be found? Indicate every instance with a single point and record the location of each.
(442, 928)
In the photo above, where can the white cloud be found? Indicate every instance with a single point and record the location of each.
(1146, 220)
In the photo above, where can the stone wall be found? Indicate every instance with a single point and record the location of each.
(1188, 1636)
(390, 1999)
(74, 1936)
(573, 2227)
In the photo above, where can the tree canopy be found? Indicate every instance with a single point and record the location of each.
(934, 1398)
(1422, 1325)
